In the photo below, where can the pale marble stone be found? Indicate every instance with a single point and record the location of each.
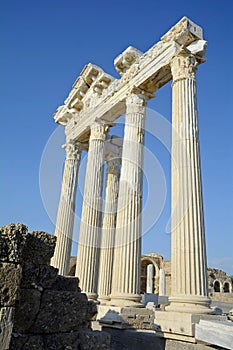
(150, 278)
(90, 229)
(182, 323)
(109, 227)
(126, 59)
(127, 254)
(218, 333)
(147, 71)
(189, 291)
(96, 94)
(66, 209)
(6, 326)
(150, 300)
(162, 282)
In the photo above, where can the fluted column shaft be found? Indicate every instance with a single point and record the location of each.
(127, 254)
(108, 229)
(188, 262)
(150, 278)
(87, 267)
(66, 209)
(162, 282)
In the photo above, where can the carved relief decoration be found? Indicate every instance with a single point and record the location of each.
(184, 66)
(73, 150)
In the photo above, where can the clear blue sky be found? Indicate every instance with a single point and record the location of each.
(44, 46)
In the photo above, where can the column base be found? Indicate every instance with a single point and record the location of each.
(126, 300)
(190, 304)
(103, 299)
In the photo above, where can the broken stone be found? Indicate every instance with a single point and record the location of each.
(6, 326)
(66, 283)
(39, 248)
(61, 341)
(92, 310)
(12, 241)
(26, 342)
(10, 275)
(26, 309)
(94, 340)
(40, 276)
(61, 311)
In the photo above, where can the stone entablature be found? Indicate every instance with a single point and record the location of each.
(96, 94)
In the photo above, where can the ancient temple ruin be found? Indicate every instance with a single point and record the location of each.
(109, 250)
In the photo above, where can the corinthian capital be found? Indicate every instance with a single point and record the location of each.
(99, 131)
(183, 66)
(73, 150)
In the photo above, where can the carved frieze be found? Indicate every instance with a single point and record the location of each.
(90, 73)
(102, 82)
(62, 115)
(184, 32)
(96, 94)
(125, 60)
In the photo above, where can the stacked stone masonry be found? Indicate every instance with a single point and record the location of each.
(39, 308)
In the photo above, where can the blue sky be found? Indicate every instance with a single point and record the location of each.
(44, 46)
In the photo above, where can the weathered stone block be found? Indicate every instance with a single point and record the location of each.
(12, 241)
(26, 342)
(39, 248)
(10, 276)
(94, 340)
(66, 283)
(136, 340)
(27, 309)
(138, 318)
(217, 333)
(38, 276)
(61, 341)
(6, 326)
(92, 310)
(61, 311)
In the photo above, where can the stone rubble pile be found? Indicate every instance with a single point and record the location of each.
(40, 309)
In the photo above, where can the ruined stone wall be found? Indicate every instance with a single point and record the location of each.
(40, 309)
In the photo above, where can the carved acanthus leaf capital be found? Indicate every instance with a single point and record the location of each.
(183, 66)
(99, 131)
(73, 150)
(136, 103)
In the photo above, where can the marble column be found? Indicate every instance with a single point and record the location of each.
(87, 267)
(127, 254)
(66, 209)
(162, 282)
(108, 229)
(150, 278)
(189, 288)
